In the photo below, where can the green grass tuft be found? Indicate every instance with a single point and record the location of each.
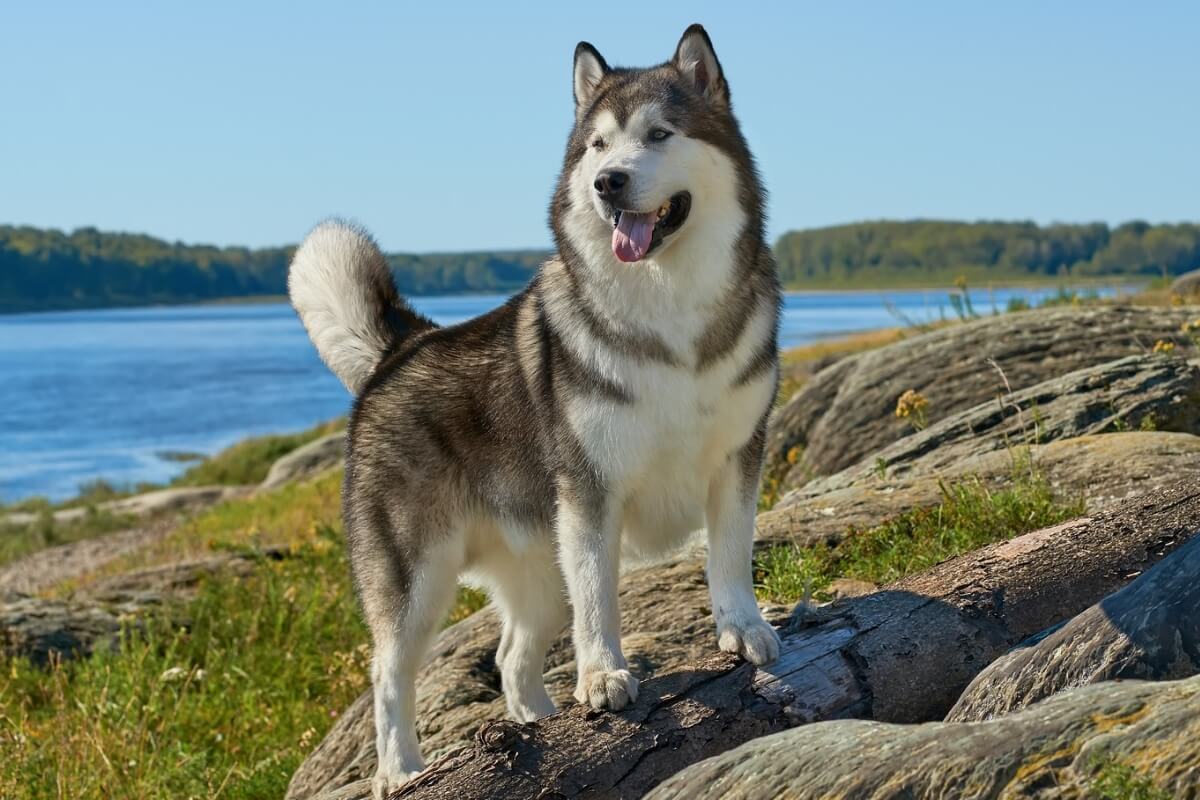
(969, 516)
(249, 460)
(1116, 781)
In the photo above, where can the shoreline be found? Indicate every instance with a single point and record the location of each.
(1131, 285)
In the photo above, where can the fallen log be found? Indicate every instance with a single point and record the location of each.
(903, 654)
(1149, 630)
(1139, 736)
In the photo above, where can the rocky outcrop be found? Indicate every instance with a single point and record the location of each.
(1148, 630)
(162, 501)
(307, 461)
(847, 412)
(40, 629)
(51, 566)
(1156, 391)
(1187, 285)
(1059, 748)
(43, 628)
(1104, 470)
(868, 656)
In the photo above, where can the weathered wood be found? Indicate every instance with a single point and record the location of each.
(1148, 630)
(903, 654)
(1055, 749)
(847, 412)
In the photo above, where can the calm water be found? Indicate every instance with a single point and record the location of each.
(86, 394)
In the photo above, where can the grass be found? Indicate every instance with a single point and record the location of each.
(246, 462)
(227, 706)
(17, 541)
(969, 516)
(249, 460)
(1115, 781)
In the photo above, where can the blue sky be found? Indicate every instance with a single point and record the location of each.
(441, 125)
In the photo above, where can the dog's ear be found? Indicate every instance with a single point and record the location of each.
(696, 59)
(590, 68)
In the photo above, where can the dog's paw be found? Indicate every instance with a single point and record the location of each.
(752, 639)
(613, 689)
(385, 783)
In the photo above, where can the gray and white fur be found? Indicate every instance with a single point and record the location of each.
(612, 407)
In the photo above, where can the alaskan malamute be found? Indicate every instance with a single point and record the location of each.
(613, 406)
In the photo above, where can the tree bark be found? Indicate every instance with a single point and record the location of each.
(1148, 630)
(903, 654)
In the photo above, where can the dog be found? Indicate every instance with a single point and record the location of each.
(615, 405)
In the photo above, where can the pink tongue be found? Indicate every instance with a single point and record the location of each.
(631, 237)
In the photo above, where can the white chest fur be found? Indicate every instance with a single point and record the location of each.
(660, 452)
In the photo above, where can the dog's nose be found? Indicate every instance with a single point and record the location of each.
(610, 183)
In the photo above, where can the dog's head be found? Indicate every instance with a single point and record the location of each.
(655, 156)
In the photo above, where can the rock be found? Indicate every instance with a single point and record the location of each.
(458, 689)
(37, 628)
(847, 412)
(1104, 470)
(844, 588)
(307, 461)
(45, 568)
(141, 505)
(91, 620)
(1187, 284)
(1052, 750)
(867, 656)
(1149, 630)
(1127, 394)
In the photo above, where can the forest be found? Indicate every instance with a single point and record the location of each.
(43, 269)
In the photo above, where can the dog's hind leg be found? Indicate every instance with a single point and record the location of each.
(529, 591)
(404, 602)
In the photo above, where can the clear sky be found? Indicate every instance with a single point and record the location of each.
(441, 125)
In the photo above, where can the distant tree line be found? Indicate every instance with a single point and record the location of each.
(49, 269)
(921, 251)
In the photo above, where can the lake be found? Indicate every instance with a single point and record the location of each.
(89, 394)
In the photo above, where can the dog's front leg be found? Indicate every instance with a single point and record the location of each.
(589, 533)
(732, 502)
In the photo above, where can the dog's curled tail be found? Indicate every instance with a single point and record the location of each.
(340, 285)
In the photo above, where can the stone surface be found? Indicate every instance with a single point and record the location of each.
(307, 461)
(46, 568)
(1162, 391)
(847, 412)
(1187, 284)
(1051, 750)
(1104, 469)
(36, 627)
(1149, 630)
(867, 657)
(140, 505)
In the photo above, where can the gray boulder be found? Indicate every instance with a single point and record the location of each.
(1104, 470)
(1058, 748)
(1161, 392)
(848, 411)
(307, 462)
(1187, 284)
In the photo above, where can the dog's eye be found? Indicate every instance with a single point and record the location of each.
(659, 134)
(598, 143)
